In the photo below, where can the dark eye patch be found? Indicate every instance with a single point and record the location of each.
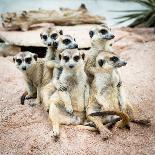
(76, 58)
(19, 61)
(66, 41)
(44, 37)
(114, 59)
(54, 36)
(101, 62)
(103, 31)
(28, 60)
(66, 58)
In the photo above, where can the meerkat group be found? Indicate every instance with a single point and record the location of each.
(76, 88)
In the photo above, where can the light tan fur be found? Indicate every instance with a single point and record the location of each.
(104, 95)
(36, 73)
(58, 45)
(99, 42)
(73, 83)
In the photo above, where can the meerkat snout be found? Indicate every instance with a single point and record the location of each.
(24, 60)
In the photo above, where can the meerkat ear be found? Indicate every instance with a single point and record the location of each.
(55, 45)
(35, 57)
(91, 33)
(41, 35)
(61, 32)
(83, 56)
(59, 56)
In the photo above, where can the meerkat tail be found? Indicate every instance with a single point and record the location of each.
(90, 128)
(142, 122)
(22, 99)
(123, 116)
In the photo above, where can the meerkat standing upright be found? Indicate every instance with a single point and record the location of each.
(48, 36)
(101, 37)
(61, 43)
(74, 81)
(104, 95)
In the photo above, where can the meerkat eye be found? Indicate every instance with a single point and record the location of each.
(74, 39)
(114, 59)
(66, 58)
(28, 60)
(44, 37)
(66, 41)
(76, 58)
(19, 61)
(54, 36)
(103, 31)
(91, 33)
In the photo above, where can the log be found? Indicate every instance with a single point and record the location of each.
(64, 17)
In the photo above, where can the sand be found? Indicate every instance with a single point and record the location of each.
(26, 130)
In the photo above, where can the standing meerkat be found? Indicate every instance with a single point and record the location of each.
(73, 81)
(101, 37)
(36, 74)
(105, 95)
(48, 36)
(61, 43)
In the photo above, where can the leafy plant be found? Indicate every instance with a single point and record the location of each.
(142, 18)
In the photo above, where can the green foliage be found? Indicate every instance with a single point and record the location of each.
(142, 18)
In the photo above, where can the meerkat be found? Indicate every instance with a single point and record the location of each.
(48, 36)
(72, 81)
(61, 43)
(101, 37)
(36, 74)
(105, 94)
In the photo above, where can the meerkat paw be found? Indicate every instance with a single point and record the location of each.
(69, 109)
(56, 135)
(105, 134)
(77, 120)
(33, 104)
(29, 96)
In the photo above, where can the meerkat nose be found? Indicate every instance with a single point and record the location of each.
(24, 68)
(49, 44)
(112, 36)
(76, 45)
(71, 66)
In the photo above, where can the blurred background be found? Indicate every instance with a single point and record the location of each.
(96, 7)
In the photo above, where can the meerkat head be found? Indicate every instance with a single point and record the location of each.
(65, 42)
(24, 60)
(49, 35)
(108, 60)
(101, 33)
(72, 59)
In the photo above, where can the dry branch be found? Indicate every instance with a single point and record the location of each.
(64, 16)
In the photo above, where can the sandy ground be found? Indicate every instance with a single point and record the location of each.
(27, 130)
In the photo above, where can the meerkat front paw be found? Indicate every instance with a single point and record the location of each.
(29, 96)
(69, 109)
(105, 134)
(56, 135)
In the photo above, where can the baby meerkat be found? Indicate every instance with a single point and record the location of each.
(101, 36)
(48, 36)
(36, 74)
(73, 82)
(104, 95)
